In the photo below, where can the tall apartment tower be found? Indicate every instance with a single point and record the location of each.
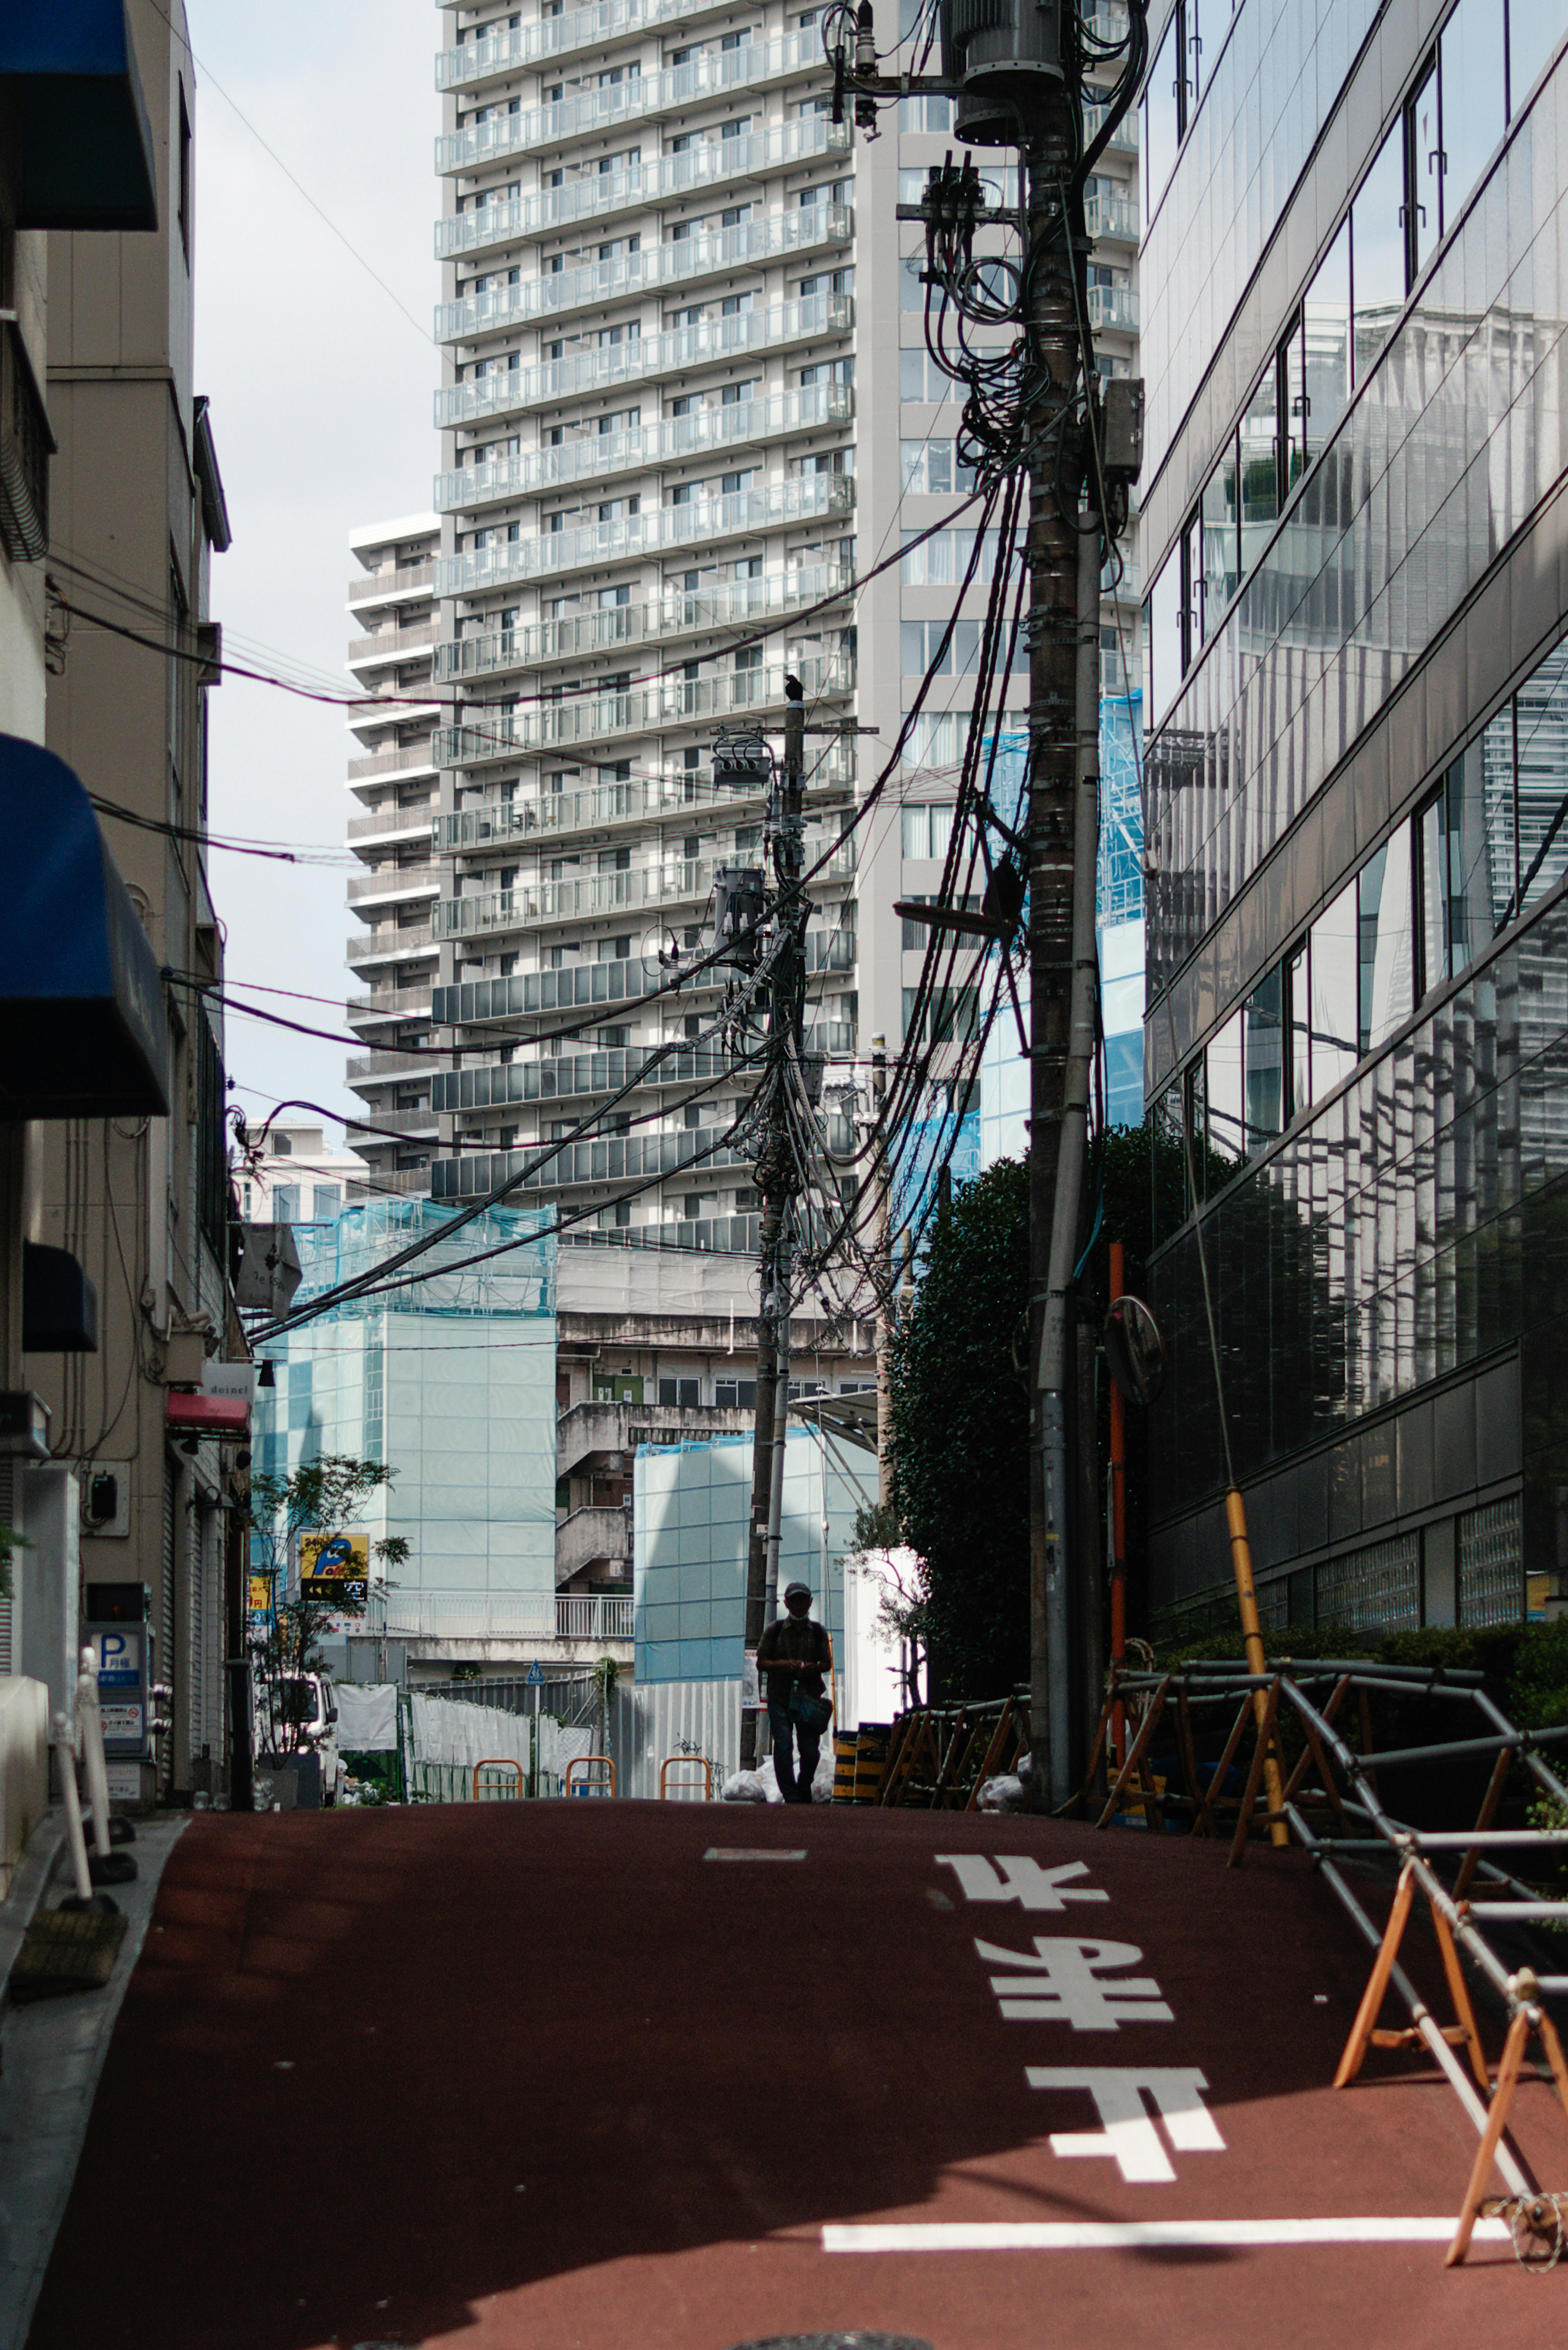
(1357, 802)
(680, 317)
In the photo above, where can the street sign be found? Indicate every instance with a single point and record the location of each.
(534, 1676)
(261, 1593)
(335, 1570)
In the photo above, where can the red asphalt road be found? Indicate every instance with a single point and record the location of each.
(542, 2074)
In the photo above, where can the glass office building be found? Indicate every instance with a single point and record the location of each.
(1355, 283)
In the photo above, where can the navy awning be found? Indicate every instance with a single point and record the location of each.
(82, 1025)
(68, 69)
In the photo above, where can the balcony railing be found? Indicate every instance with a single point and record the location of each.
(391, 823)
(393, 882)
(506, 392)
(598, 807)
(593, 1617)
(673, 261)
(571, 1075)
(26, 444)
(391, 1003)
(393, 644)
(366, 1068)
(551, 726)
(681, 881)
(611, 1159)
(728, 606)
(406, 761)
(712, 164)
(499, 1615)
(747, 422)
(552, 37)
(744, 512)
(1123, 139)
(413, 1124)
(380, 587)
(1114, 216)
(391, 945)
(1114, 306)
(587, 111)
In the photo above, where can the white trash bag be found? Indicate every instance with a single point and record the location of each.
(758, 1786)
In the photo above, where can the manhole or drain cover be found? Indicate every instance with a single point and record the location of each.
(835, 2342)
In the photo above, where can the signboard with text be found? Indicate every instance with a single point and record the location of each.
(335, 1570)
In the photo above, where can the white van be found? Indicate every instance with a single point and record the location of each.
(298, 1714)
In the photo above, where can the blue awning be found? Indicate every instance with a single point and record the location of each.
(68, 70)
(82, 1025)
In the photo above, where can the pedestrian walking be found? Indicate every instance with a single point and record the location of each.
(795, 1653)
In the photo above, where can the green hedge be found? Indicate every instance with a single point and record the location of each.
(1525, 1665)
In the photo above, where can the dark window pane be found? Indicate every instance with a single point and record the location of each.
(1432, 823)
(1377, 251)
(1265, 1061)
(1259, 467)
(1298, 1001)
(1326, 338)
(1167, 1170)
(1335, 987)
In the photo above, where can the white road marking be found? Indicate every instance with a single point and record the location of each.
(1129, 2136)
(1021, 1879)
(1067, 1987)
(735, 1852)
(1138, 2235)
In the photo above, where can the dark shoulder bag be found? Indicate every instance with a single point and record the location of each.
(813, 1713)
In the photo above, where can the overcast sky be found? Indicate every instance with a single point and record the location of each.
(321, 413)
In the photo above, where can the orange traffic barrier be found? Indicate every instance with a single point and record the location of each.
(498, 1794)
(586, 1763)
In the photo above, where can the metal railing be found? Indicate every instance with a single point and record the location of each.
(379, 587)
(614, 1158)
(1124, 137)
(392, 1063)
(589, 717)
(637, 96)
(679, 881)
(391, 1003)
(748, 421)
(393, 644)
(387, 824)
(676, 261)
(741, 512)
(1336, 1799)
(392, 944)
(687, 613)
(26, 444)
(638, 359)
(593, 1618)
(389, 763)
(1114, 306)
(552, 36)
(391, 882)
(711, 164)
(1114, 217)
(494, 823)
(558, 1079)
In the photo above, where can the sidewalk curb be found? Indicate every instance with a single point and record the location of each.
(34, 1871)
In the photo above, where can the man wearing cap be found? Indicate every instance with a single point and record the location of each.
(795, 1653)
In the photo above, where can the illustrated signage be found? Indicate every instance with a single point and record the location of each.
(335, 1570)
(261, 1595)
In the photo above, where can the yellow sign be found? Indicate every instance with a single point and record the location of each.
(334, 1557)
(261, 1595)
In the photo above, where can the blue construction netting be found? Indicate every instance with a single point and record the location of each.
(1120, 891)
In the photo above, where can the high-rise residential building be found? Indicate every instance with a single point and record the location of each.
(1357, 802)
(676, 293)
(392, 775)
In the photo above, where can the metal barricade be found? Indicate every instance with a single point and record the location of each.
(702, 1762)
(586, 1763)
(492, 1792)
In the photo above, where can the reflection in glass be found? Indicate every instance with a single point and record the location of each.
(1162, 634)
(1334, 988)
(1534, 29)
(1427, 171)
(1168, 1170)
(1387, 979)
(1219, 575)
(1161, 123)
(1259, 467)
(1325, 342)
(1541, 769)
(1265, 1061)
(1192, 556)
(1473, 107)
(1432, 891)
(1222, 1066)
(1493, 755)
(1377, 250)
(1298, 997)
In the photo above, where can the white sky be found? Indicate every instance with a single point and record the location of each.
(321, 414)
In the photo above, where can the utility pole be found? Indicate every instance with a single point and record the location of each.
(885, 1312)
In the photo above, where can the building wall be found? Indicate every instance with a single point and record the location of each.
(1357, 766)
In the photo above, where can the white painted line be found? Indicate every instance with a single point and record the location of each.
(736, 1851)
(1138, 2235)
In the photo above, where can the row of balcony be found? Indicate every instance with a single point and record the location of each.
(640, 358)
(505, 49)
(742, 514)
(726, 605)
(393, 944)
(1124, 137)
(1113, 216)
(683, 881)
(710, 163)
(393, 1004)
(382, 586)
(390, 884)
(1115, 307)
(674, 261)
(390, 823)
(610, 1159)
(645, 799)
(578, 987)
(567, 1076)
(633, 99)
(744, 423)
(362, 1069)
(670, 702)
(409, 760)
(407, 1125)
(392, 645)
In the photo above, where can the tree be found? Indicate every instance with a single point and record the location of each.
(321, 1497)
(959, 1378)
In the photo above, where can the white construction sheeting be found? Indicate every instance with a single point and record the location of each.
(666, 1716)
(367, 1716)
(445, 1730)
